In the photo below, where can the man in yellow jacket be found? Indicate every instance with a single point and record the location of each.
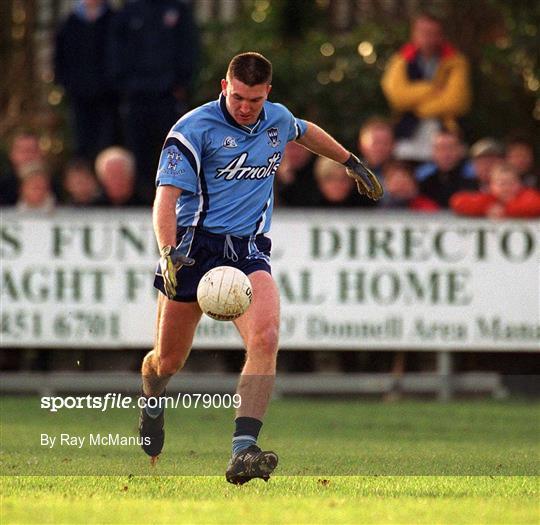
(427, 85)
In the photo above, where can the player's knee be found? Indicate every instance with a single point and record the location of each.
(169, 366)
(265, 341)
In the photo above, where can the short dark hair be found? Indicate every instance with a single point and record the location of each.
(518, 139)
(456, 133)
(399, 165)
(78, 164)
(250, 68)
(373, 123)
(427, 15)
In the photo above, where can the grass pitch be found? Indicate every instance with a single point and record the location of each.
(340, 462)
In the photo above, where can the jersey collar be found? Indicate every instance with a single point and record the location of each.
(229, 118)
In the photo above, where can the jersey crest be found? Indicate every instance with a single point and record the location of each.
(273, 135)
(229, 142)
(172, 160)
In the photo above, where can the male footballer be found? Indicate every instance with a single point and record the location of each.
(213, 207)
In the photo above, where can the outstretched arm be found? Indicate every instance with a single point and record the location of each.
(320, 142)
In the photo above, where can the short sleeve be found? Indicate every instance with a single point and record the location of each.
(180, 159)
(296, 127)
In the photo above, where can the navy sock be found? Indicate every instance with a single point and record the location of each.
(246, 433)
(158, 405)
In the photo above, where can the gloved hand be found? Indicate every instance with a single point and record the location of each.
(170, 262)
(366, 181)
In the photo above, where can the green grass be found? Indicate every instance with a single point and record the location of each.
(419, 500)
(340, 462)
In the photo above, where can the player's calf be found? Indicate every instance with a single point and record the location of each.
(151, 425)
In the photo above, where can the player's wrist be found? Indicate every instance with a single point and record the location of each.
(352, 161)
(167, 250)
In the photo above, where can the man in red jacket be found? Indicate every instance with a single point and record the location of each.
(507, 197)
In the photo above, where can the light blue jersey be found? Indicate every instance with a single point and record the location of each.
(226, 170)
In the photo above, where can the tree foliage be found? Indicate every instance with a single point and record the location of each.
(321, 73)
(328, 56)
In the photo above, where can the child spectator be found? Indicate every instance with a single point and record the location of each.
(35, 193)
(80, 186)
(23, 149)
(401, 189)
(507, 197)
(336, 188)
(485, 154)
(520, 154)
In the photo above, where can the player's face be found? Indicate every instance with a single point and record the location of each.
(244, 102)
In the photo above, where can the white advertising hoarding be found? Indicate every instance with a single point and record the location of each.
(348, 280)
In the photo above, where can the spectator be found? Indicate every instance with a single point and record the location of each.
(336, 188)
(485, 154)
(115, 169)
(520, 154)
(154, 50)
(81, 68)
(294, 179)
(24, 149)
(401, 189)
(35, 192)
(376, 143)
(80, 185)
(445, 176)
(427, 85)
(507, 197)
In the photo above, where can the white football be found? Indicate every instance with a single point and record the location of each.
(224, 293)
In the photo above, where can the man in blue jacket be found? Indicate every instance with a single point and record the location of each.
(153, 55)
(81, 68)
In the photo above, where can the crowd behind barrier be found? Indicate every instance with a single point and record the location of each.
(498, 180)
(127, 82)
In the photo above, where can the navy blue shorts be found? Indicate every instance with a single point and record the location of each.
(209, 250)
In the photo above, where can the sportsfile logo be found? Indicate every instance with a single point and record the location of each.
(236, 169)
(116, 400)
